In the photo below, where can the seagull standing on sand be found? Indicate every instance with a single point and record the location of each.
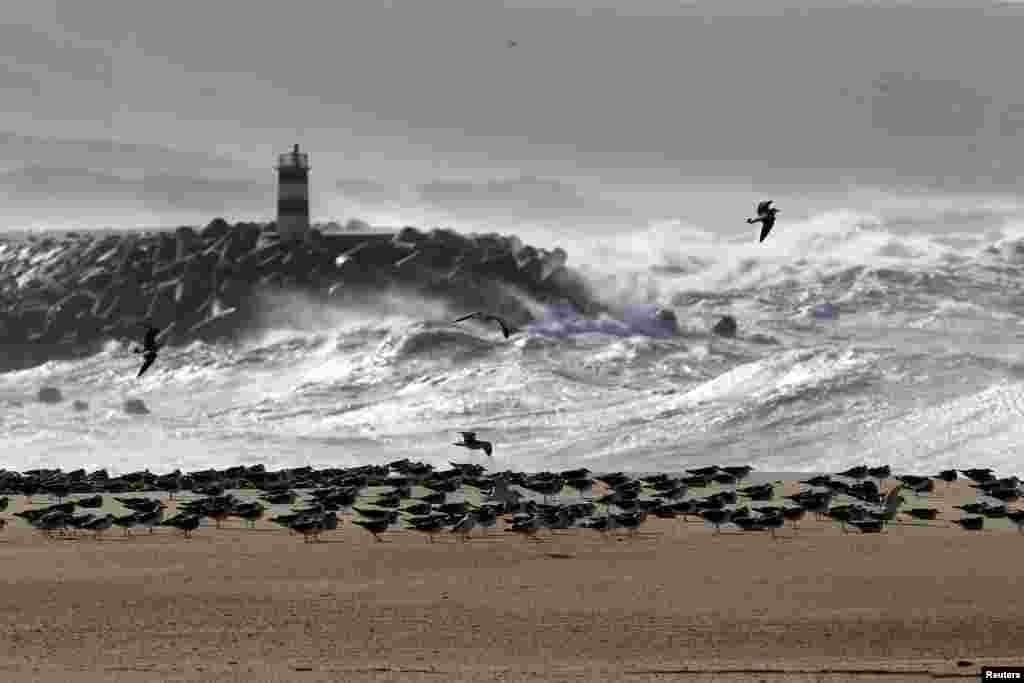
(150, 347)
(485, 317)
(470, 441)
(766, 217)
(465, 525)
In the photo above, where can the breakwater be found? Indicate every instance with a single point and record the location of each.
(64, 295)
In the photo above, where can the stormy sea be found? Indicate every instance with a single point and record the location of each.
(856, 343)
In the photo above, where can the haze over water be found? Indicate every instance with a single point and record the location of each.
(637, 139)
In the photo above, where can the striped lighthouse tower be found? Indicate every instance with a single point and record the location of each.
(293, 195)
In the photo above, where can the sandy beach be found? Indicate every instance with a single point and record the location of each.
(677, 602)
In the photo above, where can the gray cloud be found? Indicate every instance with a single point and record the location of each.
(13, 78)
(911, 106)
(367, 190)
(1011, 120)
(526, 196)
(26, 46)
(32, 185)
(791, 97)
(112, 154)
(968, 219)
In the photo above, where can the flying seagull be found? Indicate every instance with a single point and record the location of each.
(766, 217)
(480, 315)
(512, 43)
(470, 441)
(150, 346)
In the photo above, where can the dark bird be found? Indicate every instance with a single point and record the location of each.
(280, 498)
(748, 523)
(918, 484)
(389, 500)
(923, 513)
(630, 521)
(430, 525)
(844, 514)
(309, 527)
(140, 504)
(995, 512)
(979, 475)
(374, 526)
(371, 513)
(794, 515)
(150, 346)
(486, 317)
(250, 512)
(417, 509)
(772, 523)
(859, 472)
(512, 43)
(582, 485)
(758, 493)
(126, 522)
(528, 526)
(148, 519)
(465, 526)
(706, 472)
(1017, 517)
(470, 441)
(664, 512)
(186, 523)
(98, 525)
(436, 498)
(718, 517)
(739, 471)
(971, 523)
(1006, 495)
(766, 217)
(881, 472)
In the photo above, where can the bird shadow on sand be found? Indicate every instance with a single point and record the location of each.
(638, 535)
(479, 539)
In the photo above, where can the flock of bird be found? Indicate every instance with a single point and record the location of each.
(626, 502)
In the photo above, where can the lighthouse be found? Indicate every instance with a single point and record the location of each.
(293, 195)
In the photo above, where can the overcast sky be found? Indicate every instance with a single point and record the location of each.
(604, 113)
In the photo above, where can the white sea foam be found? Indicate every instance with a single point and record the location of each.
(921, 369)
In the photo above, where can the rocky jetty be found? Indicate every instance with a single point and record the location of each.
(64, 295)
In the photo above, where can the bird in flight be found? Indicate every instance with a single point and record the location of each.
(766, 217)
(150, 346)
(480, 315)
(512, 43)
(470, 441)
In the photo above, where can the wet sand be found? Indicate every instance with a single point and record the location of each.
(677, 602)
